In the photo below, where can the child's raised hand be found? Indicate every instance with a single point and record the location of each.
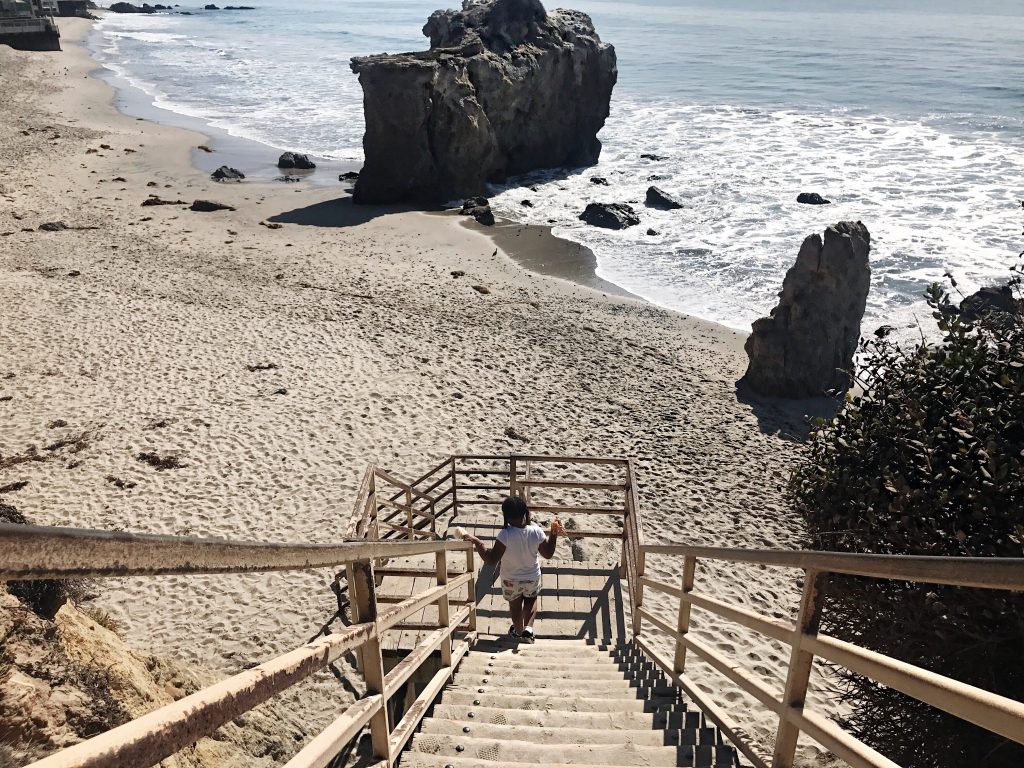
(557, 529)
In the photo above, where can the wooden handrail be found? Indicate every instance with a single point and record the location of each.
(998, 714)
(983, 572)
(40, 552)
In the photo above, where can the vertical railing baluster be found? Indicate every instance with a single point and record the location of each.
(375, 523)
(455, 490)
(683, 620)
(513, 477)
(443, 616)
(363, 591)
(800, 662)
(409, 513)
(471, 588)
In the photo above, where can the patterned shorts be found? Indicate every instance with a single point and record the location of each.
(512, 590)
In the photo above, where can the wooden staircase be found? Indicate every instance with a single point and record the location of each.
(564, 702)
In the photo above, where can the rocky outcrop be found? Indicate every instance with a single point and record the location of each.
(131, 8)
(812, 198)
(295, 160)
(610, 215)
(806, 347)
(505, 88)
(659, 198)
(227, 173)
(480, 209)
(991, 298)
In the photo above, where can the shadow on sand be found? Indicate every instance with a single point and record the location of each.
(341, 212)
(784, 418)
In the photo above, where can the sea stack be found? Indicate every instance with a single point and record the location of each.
(505, 88)
(806, 347)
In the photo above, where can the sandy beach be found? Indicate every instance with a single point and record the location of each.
(268, 365)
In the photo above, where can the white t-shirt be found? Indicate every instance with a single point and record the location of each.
(521, 561)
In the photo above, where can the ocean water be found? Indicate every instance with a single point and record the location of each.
(908, 115)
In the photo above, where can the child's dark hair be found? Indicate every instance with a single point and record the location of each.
(513, 508)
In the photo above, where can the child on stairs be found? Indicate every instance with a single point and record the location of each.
(519, 547)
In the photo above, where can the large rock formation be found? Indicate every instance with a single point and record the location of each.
(806, 347)
(505, 88)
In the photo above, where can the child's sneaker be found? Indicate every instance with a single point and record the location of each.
(513, 634)
(527, 635)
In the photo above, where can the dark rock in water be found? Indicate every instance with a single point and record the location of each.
(652, 232)
(208, 206)
(992, 298)
(648, 156)
(288, 179)
(295, 160)
(53, 226)
(883, 330)
(130, 8)
(806, 347)
(480, 209)
(599, 180)
(210, 7)
(812, 198)
(348, 176)
(657, 198)
(225, 173)
(655, 177)
(505, 88)
(239, 8)
(610, 215)
(526, 203)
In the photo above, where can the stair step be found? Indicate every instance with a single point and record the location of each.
(542, 735)
(421, 760)
(689, 721)
(540, 686)
(504, 752)
(559, 676)
(478, 663)
(553, 701)
(704, 758)
(547, 718)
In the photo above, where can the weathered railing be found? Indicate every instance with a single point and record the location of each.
(995, 713)
(34, 552)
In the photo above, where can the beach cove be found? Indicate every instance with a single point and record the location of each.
(264, 355)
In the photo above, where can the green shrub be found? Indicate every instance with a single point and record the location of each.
(927, 460)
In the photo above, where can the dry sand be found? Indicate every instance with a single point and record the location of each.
(138, 331)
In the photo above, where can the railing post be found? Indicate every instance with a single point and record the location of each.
(443, 616)
(409, 513)
(455, 490)
(683, 621)
(625, 533)
(513, 477)
(471, 588)
(374, 523)
(364, 599)
(800, 662)
(638, 599)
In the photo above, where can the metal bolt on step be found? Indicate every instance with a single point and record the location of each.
(476, 702)
(459, 748)
(481, 690)
(472, 715)
(465, 729)
(484, 681)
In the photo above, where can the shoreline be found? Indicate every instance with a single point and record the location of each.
(274, 362)
(532, 247)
